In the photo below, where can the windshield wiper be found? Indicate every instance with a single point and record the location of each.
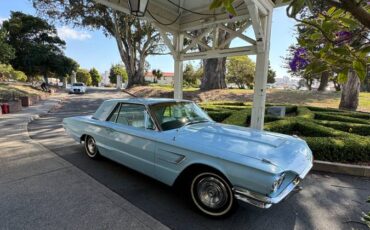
(195, 122)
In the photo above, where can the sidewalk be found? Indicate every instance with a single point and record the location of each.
(39, 190)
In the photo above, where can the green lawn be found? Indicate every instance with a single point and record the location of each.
(295, 97)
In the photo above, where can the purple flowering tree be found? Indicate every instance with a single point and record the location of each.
(333, 45)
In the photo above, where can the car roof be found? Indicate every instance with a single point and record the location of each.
(147, 101)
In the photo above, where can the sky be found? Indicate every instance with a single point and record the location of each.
(93, 49)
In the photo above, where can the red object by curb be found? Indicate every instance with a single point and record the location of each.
(5, 108)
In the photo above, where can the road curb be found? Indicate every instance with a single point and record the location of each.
(340, 168)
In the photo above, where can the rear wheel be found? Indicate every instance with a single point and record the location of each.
(90, 147)
(211, 194)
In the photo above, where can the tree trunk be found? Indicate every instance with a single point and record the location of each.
(214, 69)
(350, 92)
(365, 86)
(309, 84)
(336, 85)
(137, 78)
(355, 8)
(324, 79)
(214, 74)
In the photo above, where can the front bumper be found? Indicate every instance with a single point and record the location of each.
(77, 91)
(262, 201)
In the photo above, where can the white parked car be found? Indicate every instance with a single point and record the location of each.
(78, 87)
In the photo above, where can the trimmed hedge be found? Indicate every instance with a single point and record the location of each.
(333, 135)
(348, 148)
(219, 116)
(360, 129)
(332, 117)
(304, 112)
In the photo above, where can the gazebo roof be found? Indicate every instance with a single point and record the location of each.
(183, 15)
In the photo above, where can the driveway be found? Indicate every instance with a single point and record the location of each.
(328, 201)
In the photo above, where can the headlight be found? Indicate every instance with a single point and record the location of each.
(277, 183)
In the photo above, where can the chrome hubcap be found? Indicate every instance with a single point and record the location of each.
(91, 145)
(212, 192)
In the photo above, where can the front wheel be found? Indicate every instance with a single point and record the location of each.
(212, 194)
(90, 147)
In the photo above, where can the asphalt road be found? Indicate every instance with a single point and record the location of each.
(328, 201)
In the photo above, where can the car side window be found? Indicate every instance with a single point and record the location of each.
(114, 114)
(132, 115)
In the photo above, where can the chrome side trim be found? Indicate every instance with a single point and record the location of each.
(260, 200)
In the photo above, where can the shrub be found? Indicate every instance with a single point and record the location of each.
(348, 148)
(219, 116)
(238, 118)
(360, 129)
(311, 129)
(304, 112)
(332, 117)
(287, 126)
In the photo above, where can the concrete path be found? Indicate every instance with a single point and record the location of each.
(40, 190)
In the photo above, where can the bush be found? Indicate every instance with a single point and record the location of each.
(336, 117)
(238, 117)
(304, 112)
(219, 116)
(348, 148)
(360, 129)
(287, 126)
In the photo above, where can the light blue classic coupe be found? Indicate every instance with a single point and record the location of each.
(176, 142)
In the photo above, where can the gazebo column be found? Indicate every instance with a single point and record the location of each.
(263, 34)
(178, 77)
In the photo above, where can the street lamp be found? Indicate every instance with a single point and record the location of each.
(138, 7)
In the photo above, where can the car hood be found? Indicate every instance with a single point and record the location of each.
(229, 141)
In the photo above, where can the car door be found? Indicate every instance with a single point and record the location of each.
(131, 132)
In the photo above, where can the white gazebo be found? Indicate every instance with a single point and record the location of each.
(177, 19)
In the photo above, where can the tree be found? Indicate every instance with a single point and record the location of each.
(84, 76)
(136, 38)
(240, 70)
(214, 69)
(358, 9)
(38, 49)
(157, 73)
(336, 43)
(95, 77)
(7, 72)
(271, 74)
(350, 92)
(192, 76)
(116, 70)
(7, 52)
(64, 66)
(19, 75)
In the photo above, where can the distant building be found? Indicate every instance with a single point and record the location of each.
(286, 82)
(166, 79)
(105, 79)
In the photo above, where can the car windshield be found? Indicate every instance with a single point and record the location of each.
(177, 114)
(78, 84)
